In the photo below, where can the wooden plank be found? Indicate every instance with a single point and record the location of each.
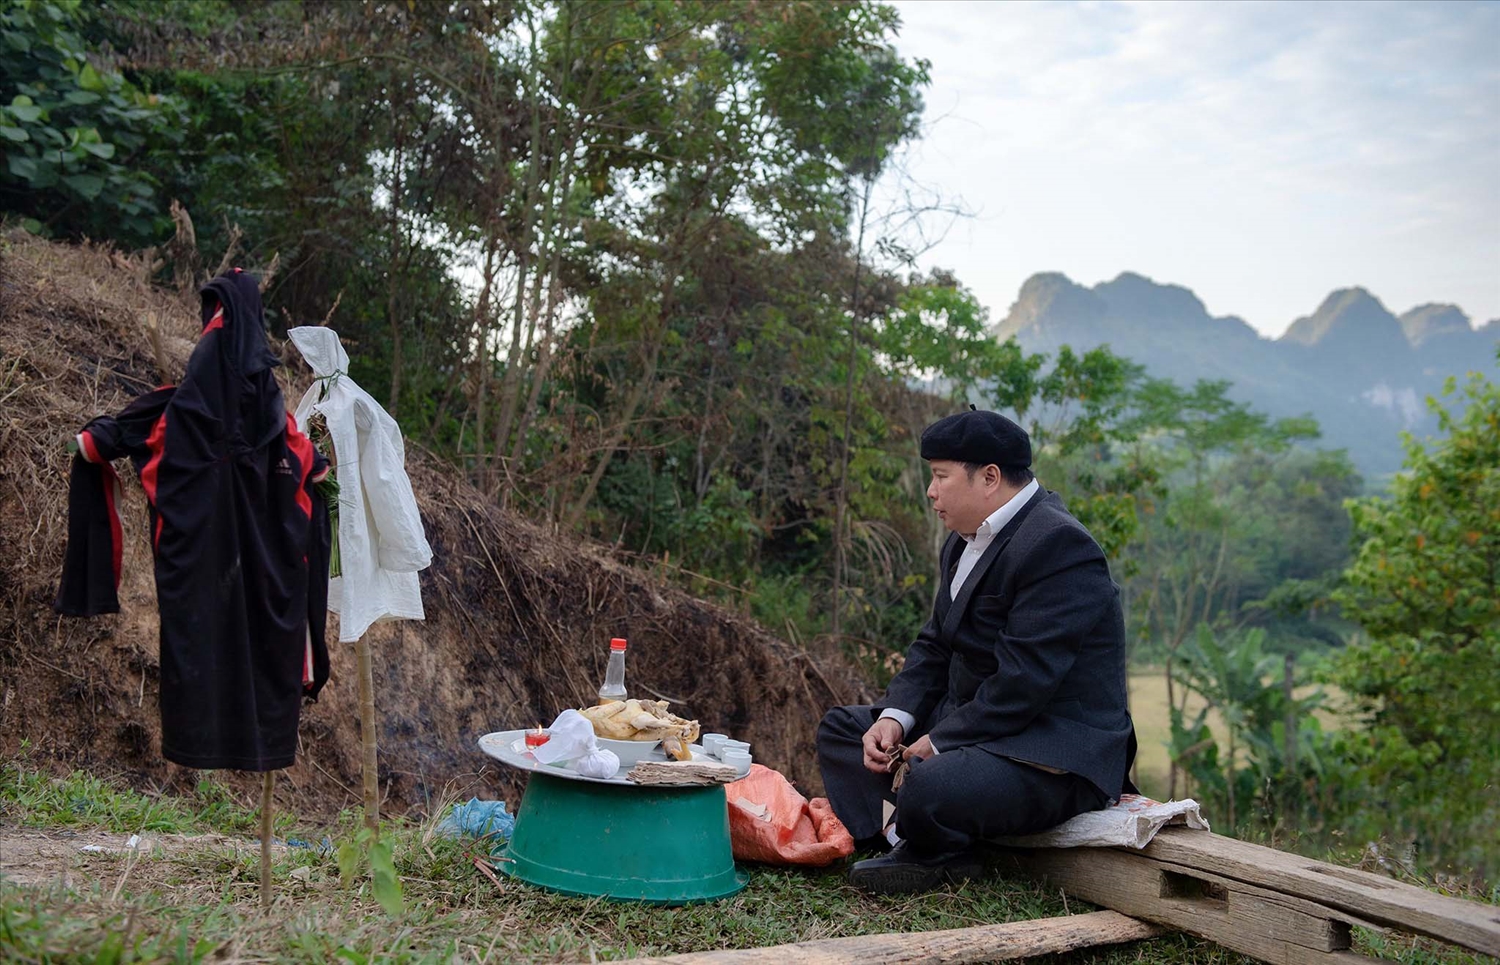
(1253, 922)
(983, 943)
(1358, 893)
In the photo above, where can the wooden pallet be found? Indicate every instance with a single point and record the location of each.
(1274, 906)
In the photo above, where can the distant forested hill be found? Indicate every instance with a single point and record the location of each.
(1361, 371)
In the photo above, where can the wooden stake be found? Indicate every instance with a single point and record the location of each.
(367, 733)
(984, 943)
(265, 839)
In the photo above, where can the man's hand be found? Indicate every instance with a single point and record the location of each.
(921, 749)
(883, 735)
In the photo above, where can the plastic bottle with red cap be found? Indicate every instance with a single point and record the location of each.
(614, 675)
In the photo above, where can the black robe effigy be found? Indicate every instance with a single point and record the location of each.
(240, 539)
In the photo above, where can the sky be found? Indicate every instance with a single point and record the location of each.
(1261, 154)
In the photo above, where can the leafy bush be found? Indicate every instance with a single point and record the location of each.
(1264, 776)
(75, 130)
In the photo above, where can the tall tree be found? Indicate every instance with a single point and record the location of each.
(1425, 586)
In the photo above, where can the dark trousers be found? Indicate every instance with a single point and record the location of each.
(950, 802)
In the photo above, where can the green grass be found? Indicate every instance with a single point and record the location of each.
(201, 903)
(29, 798)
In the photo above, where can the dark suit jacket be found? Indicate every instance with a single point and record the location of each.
(1029, 661)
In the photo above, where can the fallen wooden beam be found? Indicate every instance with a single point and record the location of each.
(982, 943)
(1371, 897)
(1275, 906)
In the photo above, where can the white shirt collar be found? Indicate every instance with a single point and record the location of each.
(995, 522)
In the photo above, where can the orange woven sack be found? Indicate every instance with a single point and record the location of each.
(770, 822)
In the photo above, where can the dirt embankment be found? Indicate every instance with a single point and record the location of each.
(518, 617)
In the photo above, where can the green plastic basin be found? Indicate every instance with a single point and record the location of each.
(664, 845)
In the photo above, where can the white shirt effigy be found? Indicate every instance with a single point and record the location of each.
(381, 542)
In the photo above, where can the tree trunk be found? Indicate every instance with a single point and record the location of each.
(1288, 686)
(841, 495)
(523, 248)
(391, 280)
(512, 402)
(483, 359)
(1229, 775)
(1172, 758)
(700, 462)
(543, 365)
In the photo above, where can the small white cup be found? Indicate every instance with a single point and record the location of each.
(733, 745)
(713, 744)
(739, 760)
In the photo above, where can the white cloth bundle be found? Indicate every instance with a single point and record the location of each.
(571, 738)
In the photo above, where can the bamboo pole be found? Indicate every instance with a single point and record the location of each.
(265, 839)
(984, 943)
(367, 733)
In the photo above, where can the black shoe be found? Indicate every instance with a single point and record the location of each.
(907, 870)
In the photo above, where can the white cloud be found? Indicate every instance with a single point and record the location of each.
(1261, 154)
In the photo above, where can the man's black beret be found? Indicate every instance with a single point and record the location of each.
(978, 437)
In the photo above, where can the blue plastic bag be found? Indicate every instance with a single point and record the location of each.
(480, 819)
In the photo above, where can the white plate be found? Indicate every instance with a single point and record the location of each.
(509, 747)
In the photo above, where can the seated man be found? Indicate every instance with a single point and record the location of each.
(1012, 700)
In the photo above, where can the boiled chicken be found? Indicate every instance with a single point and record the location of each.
(641, 720)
